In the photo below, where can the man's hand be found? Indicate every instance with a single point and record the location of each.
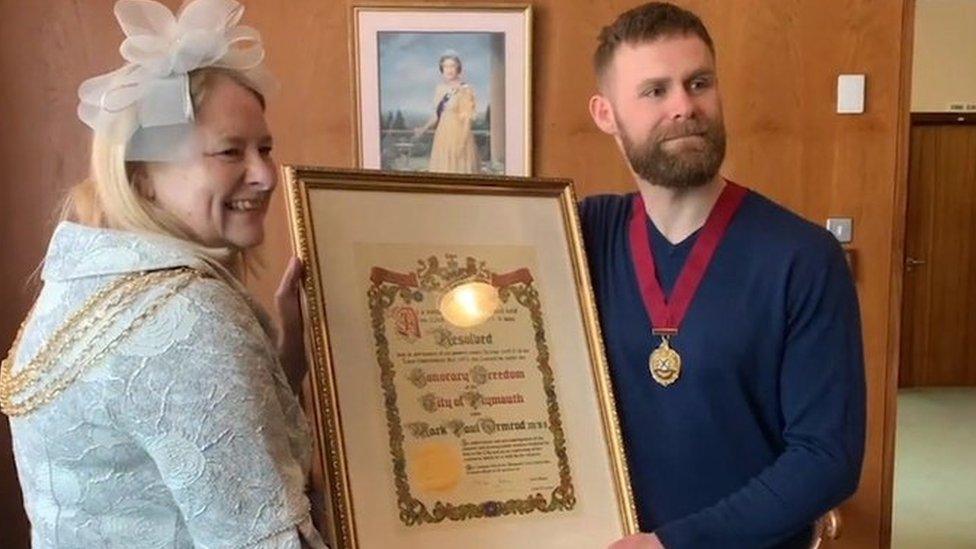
(637, 541)
(291, 335)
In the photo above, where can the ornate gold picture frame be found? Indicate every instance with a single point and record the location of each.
(460, 390)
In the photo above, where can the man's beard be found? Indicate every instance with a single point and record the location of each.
(681, 169)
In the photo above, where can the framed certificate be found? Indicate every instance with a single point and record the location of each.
(460, 392)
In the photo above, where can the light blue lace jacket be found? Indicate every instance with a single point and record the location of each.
(186, 434)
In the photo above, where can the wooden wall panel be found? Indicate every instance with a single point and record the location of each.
(777, 70)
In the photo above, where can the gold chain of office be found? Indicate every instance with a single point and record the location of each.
(30, 387)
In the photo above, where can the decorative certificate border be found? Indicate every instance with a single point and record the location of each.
(432, 275)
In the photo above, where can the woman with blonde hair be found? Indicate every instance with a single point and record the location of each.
(148, 403)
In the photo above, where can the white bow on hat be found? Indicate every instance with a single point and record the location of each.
(161, 49)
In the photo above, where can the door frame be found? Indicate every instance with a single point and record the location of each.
(942, 119)
(897, 271)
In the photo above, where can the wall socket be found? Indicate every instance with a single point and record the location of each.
(842, 228)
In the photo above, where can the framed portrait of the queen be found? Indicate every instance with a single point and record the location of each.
(459, 392)
(443, 88)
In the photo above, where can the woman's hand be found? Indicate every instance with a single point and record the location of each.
(637, 541)
(417, 132)
(291, 333)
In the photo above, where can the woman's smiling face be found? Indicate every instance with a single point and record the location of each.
(221, 192)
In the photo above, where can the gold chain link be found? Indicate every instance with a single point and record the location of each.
(26, 390)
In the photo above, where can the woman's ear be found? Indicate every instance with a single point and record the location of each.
(139, 177)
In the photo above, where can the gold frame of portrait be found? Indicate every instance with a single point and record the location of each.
(356, 8)
(338, 521)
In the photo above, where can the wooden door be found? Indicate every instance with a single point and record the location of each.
(939, 306)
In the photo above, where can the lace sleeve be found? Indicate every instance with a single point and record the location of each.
(200, 398)
(304, 535)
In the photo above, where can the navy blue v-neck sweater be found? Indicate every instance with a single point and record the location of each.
(764, 430)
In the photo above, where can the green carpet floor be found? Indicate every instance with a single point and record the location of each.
(935, 469)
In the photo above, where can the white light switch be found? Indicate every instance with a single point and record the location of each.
(850, 93)
(842, 228)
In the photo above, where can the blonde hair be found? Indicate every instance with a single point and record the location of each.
(110, 199)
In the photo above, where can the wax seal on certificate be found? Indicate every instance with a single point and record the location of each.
(436, 466)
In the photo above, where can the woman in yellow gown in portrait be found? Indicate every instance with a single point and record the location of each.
(454, 149)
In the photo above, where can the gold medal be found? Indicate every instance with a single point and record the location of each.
(665, 363)
(667, 312)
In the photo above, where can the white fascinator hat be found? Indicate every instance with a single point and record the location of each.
(161, 49)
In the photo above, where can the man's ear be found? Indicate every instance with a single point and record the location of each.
(602, 113)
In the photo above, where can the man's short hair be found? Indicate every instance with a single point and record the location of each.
(646, 23)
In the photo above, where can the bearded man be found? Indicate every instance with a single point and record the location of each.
(731, 324)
